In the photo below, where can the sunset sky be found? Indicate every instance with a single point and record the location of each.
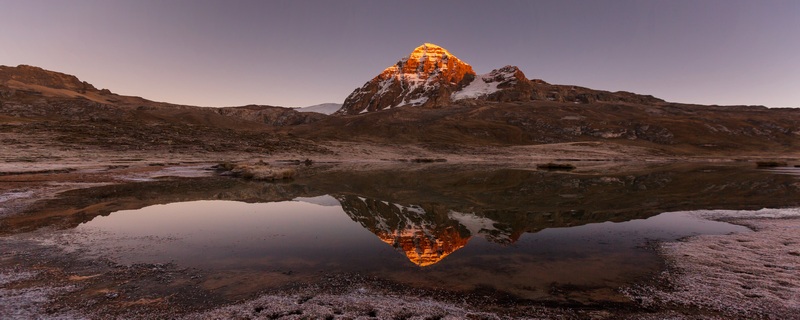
(300, 53)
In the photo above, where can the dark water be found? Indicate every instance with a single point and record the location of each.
(532, 234)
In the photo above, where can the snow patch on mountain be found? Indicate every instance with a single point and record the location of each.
(477, 88)
(475, 224)
(486, 84)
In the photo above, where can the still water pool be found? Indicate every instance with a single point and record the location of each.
(416, 244)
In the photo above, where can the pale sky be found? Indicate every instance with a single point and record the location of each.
(300, 53)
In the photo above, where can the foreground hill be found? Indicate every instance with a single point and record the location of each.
(41, 102)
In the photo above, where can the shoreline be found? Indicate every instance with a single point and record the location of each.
(740, 275)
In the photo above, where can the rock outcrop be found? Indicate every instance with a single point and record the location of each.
(37, 76)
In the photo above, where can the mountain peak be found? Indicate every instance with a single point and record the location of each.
(430, 52)
(425, 78)
(432, 77)
(430, 60)
(427, 45)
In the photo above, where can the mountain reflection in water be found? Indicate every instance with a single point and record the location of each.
(424, 236)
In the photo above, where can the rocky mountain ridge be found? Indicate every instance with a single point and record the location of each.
(432, 77)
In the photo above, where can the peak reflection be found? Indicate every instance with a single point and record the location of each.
(426, 235)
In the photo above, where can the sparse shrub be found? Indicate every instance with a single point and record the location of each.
(555, 166)
(770, 164)
(428, 160)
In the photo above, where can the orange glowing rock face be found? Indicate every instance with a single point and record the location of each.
(431, 60)
(422, 249)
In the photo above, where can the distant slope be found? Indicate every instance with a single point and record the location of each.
(28, 91)
(35, 101)
(324, 108)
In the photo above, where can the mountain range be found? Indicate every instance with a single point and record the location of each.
(430, 98)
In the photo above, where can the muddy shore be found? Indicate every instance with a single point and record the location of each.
(42, 279)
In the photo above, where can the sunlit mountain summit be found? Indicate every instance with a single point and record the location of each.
(431, 77)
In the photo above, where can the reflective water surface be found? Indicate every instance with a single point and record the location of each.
(531, 234)
(405, 243)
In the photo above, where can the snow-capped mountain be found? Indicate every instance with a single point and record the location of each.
(425, 78)
(433, 77)
(324, 108)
